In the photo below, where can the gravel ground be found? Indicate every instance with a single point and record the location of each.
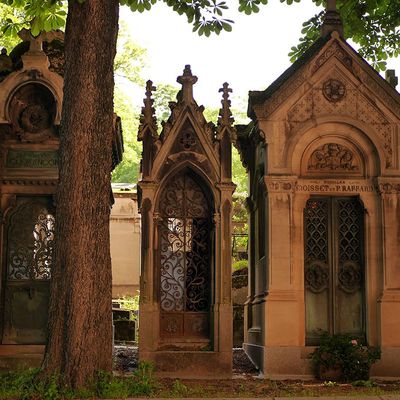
(126, 360)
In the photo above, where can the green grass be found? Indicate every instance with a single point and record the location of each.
(30, 385)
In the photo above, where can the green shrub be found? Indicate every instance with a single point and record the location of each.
(345, 354)
(239, 265)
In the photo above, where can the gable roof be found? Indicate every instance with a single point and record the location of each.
(259, 97)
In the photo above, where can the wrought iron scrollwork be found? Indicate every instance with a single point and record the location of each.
(350, 245)
(316, 276)
(316, 230)
(185, 258)
(31, 243)
(350, 277)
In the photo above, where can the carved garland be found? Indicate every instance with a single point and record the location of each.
(333, 157)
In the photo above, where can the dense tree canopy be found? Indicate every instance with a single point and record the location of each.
(372, 24)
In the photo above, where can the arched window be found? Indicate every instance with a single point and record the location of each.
(185, 258)
(29, 260)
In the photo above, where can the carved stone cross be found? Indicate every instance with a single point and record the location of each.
(36, 43)
(187, 80)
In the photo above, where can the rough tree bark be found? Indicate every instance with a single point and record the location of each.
(80, 330)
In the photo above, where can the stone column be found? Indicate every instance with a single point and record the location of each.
(390, 300)
(149, 326)
(283, 303)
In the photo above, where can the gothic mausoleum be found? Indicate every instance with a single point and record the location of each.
(323, 157)
(31, 94)
(185, 195)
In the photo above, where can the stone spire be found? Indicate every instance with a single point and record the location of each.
(225, 116)
(187, 80)
(225, 119)
(148, 120)
(332, 21)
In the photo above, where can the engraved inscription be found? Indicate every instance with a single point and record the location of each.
(31, 159)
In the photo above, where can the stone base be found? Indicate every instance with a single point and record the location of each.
(280, 362)
(287, 363)
(255, 354)
(20, 357)
(190, 364)
(388, 367)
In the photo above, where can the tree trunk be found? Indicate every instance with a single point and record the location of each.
(80, 322)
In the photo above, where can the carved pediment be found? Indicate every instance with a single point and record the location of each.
(333, 158)
(337, 95)
(32, 111)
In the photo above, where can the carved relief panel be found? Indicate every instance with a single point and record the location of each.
(332, 157)
(32, 112)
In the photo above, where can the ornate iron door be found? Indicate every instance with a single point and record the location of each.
(185, 232)
(28, 262)
(334, 266)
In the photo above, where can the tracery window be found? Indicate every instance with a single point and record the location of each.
(334, 266)
(185, 256)
(29, 238)
(31, 243)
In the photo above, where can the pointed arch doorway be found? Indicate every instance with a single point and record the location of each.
(185, 237)
(334, 272)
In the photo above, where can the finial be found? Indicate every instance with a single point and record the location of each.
(147, 118)
(332, 21)
(390, 76)
(36, 42)
(225, 116)
(225, 119)
(5, 61)
(187, 80)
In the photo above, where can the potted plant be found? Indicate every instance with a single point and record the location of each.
(342, 357)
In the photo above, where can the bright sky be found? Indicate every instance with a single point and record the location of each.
(250, 57)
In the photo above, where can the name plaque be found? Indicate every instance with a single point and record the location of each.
(32, 159)
(341, 186)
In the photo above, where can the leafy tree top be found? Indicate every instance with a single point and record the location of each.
(372, 24)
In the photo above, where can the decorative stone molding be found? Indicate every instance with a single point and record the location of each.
(334, 90)
(335, 50)
(288, 88)
(354, 105)
(388, 186)
(279, 185)
(332, 157)
(32, 111)
(29, 182)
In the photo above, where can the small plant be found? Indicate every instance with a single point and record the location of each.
(330, 383)
(341, 357)
(362, 383)
(179, 389)
(143, 383)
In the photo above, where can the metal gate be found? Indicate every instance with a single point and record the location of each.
(185, 232)
(29, 242)
(334, 266)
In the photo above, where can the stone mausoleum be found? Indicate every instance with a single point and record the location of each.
(323, 157)
(185, 196)
(31, 84)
